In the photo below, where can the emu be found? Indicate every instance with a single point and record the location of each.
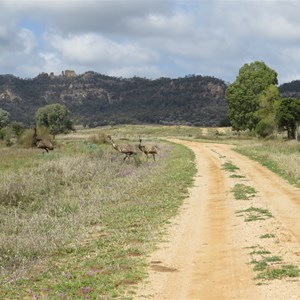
(126, 149)
(41, 143)
(148, 149)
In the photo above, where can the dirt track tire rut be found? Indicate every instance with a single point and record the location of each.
(206, 255)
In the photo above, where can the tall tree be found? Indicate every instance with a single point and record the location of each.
(243, 94)
(288, 115)
(56, 117)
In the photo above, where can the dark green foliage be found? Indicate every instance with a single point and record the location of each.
(288, 115)
(6, 135)
(11, 133)
(243, 95)
(17, 128)
(55, 117)
(95, 99)
(264, 128)
(268, 102)
(4, 118)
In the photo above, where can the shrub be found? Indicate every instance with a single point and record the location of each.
(264, 128)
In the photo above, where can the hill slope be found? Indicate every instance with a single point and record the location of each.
(95, 99)
(290, 89)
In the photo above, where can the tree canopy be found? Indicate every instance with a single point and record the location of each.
(243, 95)
(266, 113)
(56, 117)
(288, 115)
(4, 118)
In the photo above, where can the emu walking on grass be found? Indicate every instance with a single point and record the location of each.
(148, 149)
(41, 143)
(126, 149)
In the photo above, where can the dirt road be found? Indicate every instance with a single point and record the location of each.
(209, 245)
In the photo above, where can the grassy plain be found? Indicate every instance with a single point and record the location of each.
(78, 222)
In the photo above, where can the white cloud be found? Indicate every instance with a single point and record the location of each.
(161, 38)
(71, 16)
(91, 49)
(175, 25)
(148, 71)
(51, 63)
(27, 40)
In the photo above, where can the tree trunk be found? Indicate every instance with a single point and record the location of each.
(291, 134)
(297, 131)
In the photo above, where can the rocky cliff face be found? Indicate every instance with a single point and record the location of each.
(291, 89)
(95, 99)
(10, 96)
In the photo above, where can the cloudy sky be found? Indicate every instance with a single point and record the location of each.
(149, 38)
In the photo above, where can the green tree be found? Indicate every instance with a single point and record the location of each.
(56, 117)
(17, 128)
(288, 115)
(4, 118)
(243, 94)
(268, 102)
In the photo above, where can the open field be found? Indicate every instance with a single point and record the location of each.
(79, 222)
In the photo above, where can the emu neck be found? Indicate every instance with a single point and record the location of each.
(114, 145)
(34, 138)
(140, 145)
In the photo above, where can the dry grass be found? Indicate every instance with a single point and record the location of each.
(95, 215)
(44, 207)
(82, 205)
(282, 157)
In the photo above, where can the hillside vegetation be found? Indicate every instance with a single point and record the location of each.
(96, 99)
(291, 89)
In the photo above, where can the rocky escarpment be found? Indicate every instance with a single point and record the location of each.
(96, 99)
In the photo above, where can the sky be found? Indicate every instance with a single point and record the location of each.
(149, 38)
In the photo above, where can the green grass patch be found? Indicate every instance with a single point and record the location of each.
(260, 252)
(259, 265)
(254, 214)
(267, 236)
(237, 176)
(262, 265)
(229, 167)
(269, 266)
(280, 272)
(243, 192)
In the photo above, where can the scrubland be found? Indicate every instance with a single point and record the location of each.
(78, 223)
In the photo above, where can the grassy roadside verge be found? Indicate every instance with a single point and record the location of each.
(280, 157)
(97, 226)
